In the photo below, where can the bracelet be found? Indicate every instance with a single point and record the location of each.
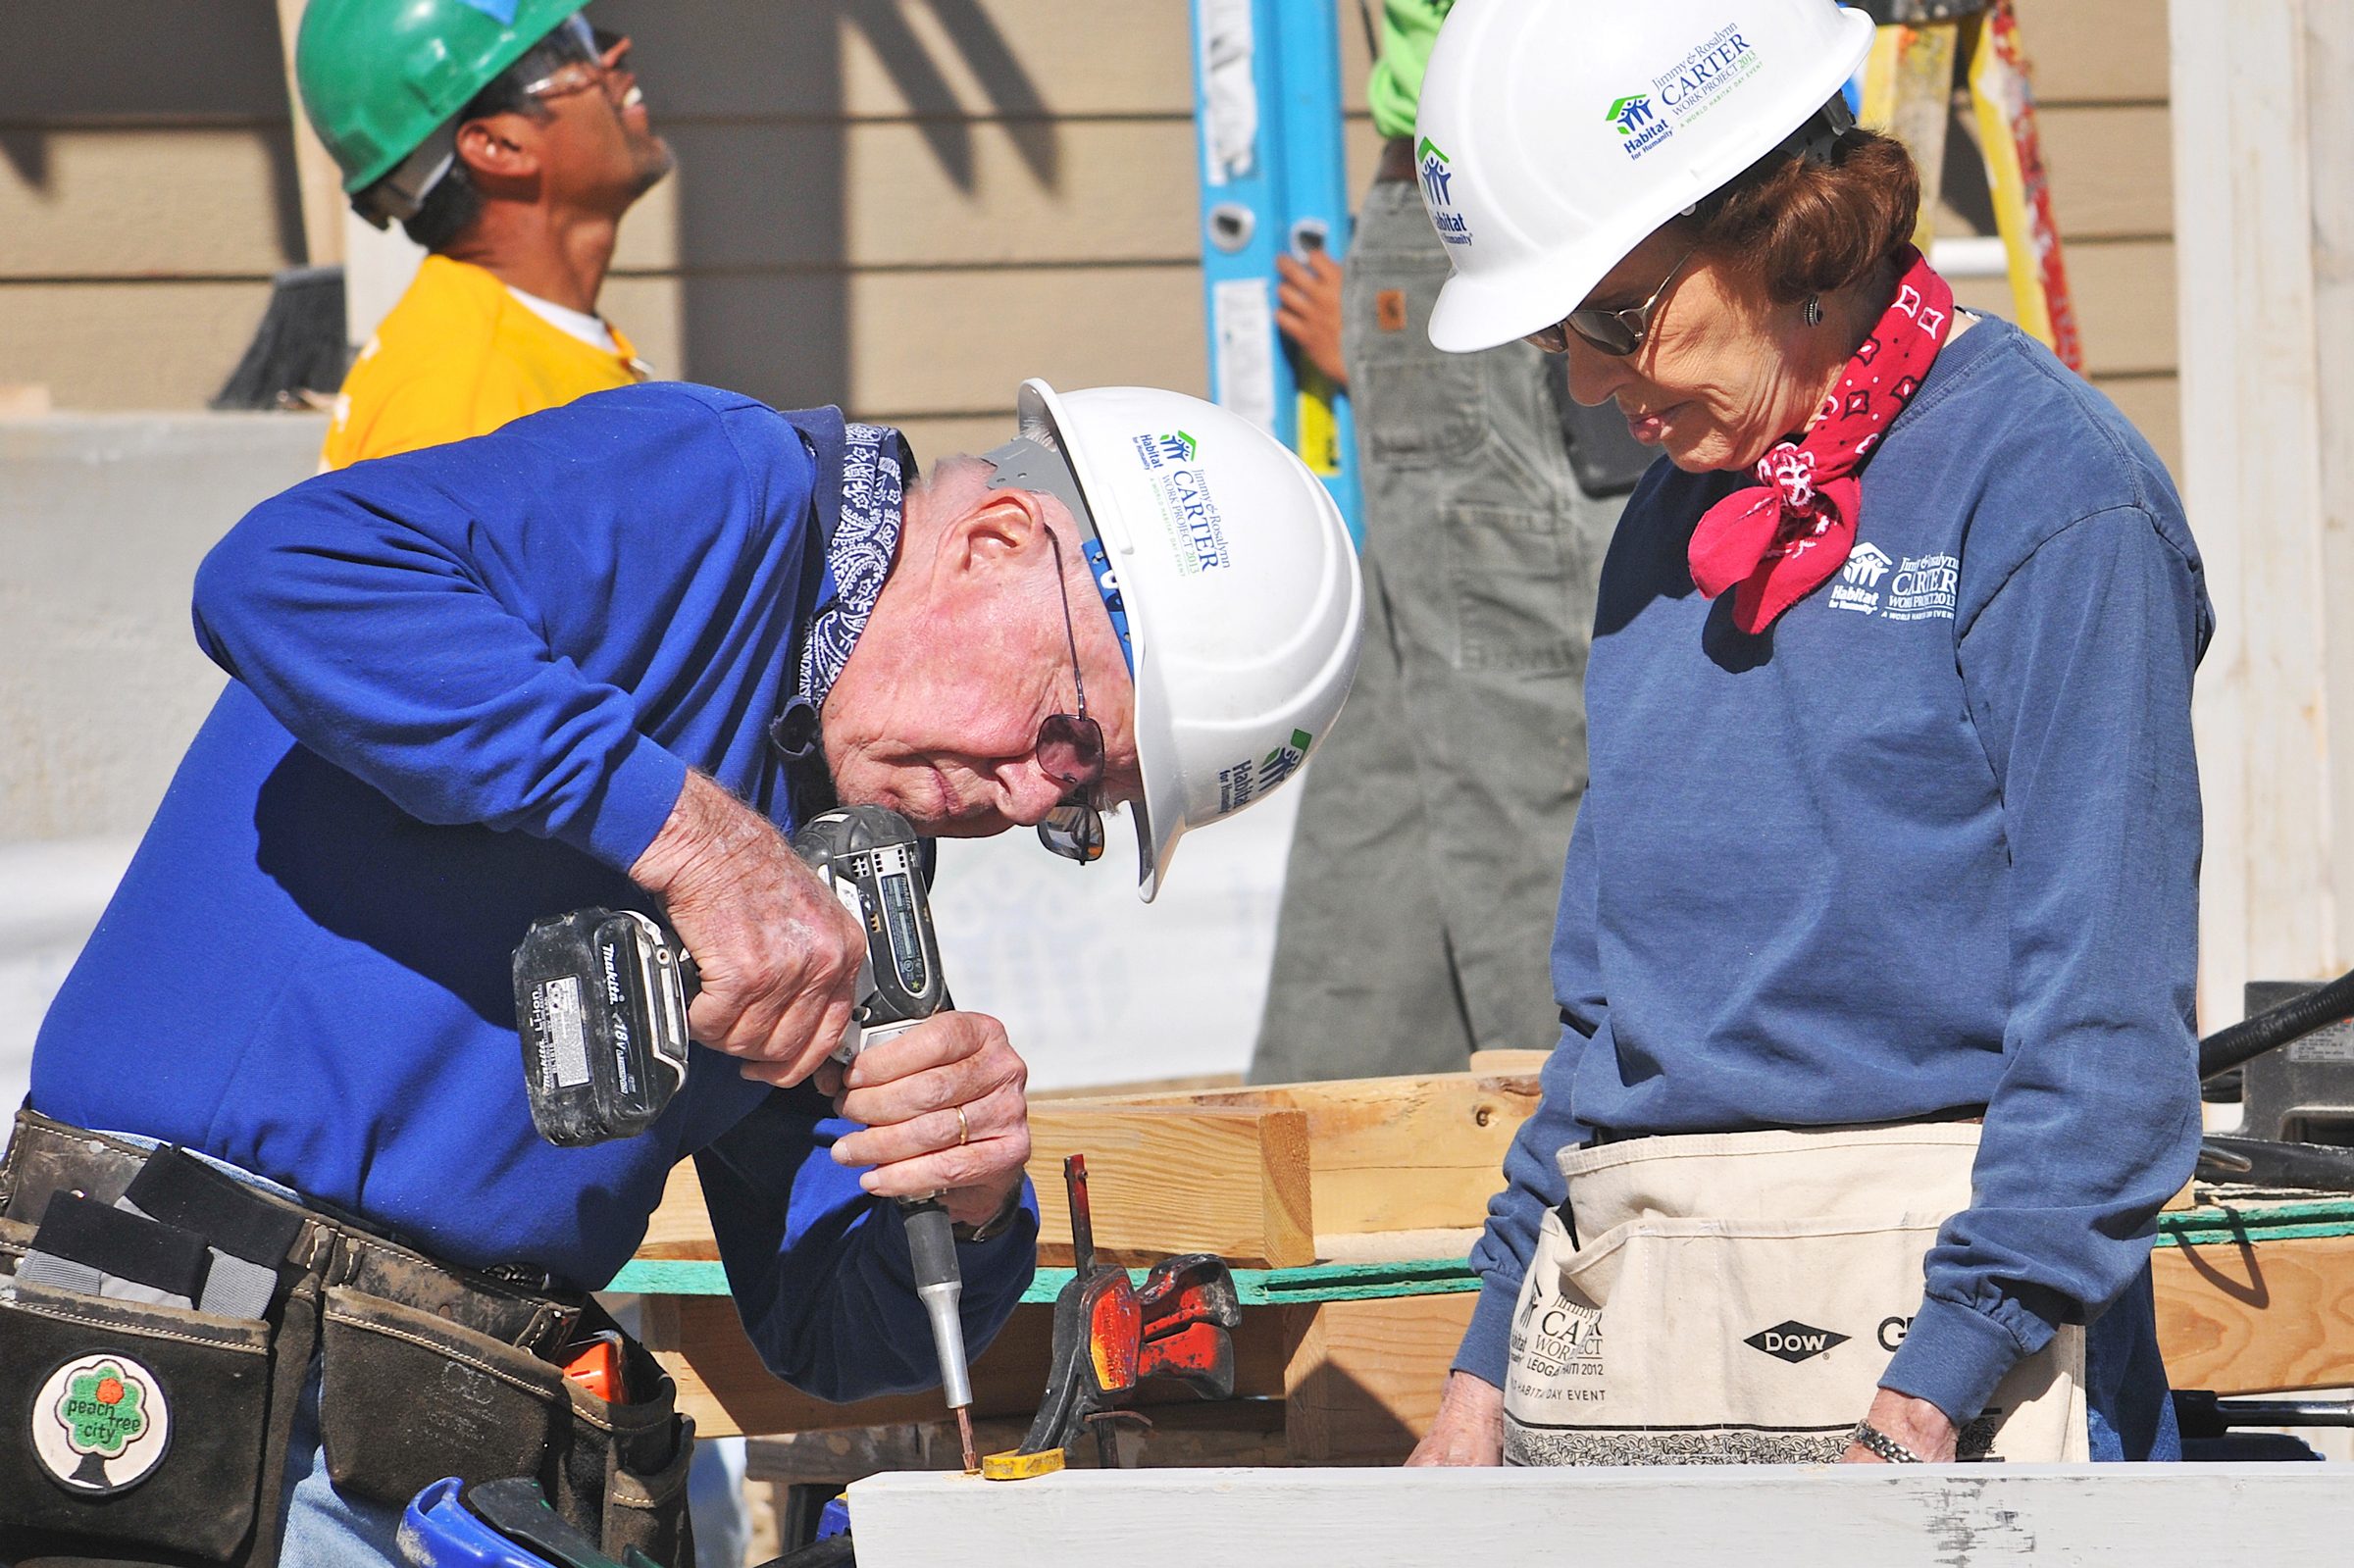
(1871, 1437)
(996, 1225)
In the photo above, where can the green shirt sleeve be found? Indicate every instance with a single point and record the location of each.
(1409, 28)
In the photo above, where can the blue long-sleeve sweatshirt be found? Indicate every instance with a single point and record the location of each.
(1927, 845)
(467, 686)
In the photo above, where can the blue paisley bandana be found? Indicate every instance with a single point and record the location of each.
(858, 556)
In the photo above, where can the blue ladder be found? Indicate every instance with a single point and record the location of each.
(1267, 123)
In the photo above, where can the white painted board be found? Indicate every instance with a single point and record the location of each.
(1756, 1516)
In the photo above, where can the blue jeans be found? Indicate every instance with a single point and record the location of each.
(325, 1529)
(2131, 1407)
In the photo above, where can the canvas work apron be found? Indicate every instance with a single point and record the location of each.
(1735, 1298)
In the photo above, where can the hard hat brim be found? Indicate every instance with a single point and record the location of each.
(1160, 814)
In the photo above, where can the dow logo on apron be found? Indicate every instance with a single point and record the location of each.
(1794, 1341)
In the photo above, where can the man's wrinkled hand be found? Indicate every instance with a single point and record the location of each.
(945, 1110)
(1468, 1429)
(779, 955)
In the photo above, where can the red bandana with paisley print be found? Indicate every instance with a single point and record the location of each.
(1774, 545)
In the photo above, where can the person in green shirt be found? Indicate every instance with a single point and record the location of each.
(1419, 899)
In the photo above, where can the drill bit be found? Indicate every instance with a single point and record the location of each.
(940, 1285)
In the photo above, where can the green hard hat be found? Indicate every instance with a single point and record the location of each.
(379, 76)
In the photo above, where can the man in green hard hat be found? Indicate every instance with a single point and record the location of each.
(508, 138)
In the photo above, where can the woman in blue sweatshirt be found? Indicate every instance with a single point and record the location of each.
(1879, 917)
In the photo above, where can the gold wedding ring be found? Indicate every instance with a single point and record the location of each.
(965, 1129)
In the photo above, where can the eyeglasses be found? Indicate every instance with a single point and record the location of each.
(1070, 749)
(1615, 332)
(592, 58)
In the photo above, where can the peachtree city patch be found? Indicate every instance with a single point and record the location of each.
(100, 1424)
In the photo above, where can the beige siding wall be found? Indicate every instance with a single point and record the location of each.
(2100, 74)
(147, 191)
(905, 206)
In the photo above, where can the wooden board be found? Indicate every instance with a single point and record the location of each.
(725, 1387)
(1235, 1432)
(1252, 1175)
(1393, 1153)
(1163, 1179)
(722, 1385)
(2253, 1318)
(1363, 1378)
(681, 1229)
(1758, 1516)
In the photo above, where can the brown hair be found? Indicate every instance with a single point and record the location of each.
(1809, 225)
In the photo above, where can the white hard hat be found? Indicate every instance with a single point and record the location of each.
(1242, 600)
(1554, 135)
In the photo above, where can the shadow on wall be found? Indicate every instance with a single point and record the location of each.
(68, 64)
(756, 98)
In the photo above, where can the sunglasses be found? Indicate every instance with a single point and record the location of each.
(1615, 332)
(1070, 749)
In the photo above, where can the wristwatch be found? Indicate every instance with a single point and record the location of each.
(996, 1225)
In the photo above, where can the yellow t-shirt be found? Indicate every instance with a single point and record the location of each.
(460, 356)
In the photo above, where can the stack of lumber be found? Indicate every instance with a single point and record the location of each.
(1346, 1210)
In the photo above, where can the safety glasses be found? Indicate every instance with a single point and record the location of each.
(1070, 749)
(588, 57)
(1615, 332)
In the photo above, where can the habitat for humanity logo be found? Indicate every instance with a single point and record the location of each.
(1639, 125)
(1245, 782)
(1160, 450)
(1438, 178)
(1859, 584)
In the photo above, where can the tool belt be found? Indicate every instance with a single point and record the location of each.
(1735, 1298)
(137, 1432)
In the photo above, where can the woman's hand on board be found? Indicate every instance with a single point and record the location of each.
(1468, 1429)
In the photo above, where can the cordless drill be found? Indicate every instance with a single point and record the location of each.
(601, 1002)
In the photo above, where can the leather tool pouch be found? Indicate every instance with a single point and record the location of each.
(150, 1429)
(410, 1396)
(622, 1474)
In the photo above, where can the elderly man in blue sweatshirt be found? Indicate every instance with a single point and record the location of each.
(612, 654)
